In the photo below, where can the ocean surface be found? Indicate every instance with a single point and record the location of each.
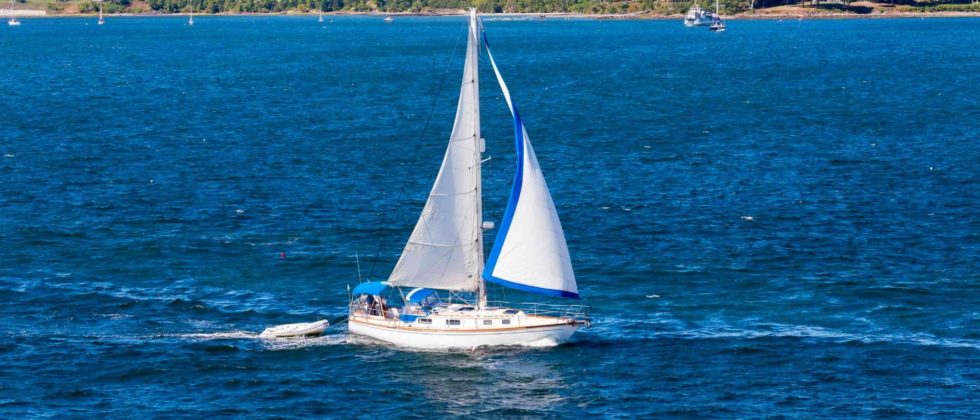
(777, 220)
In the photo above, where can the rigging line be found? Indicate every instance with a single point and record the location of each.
(415, 154)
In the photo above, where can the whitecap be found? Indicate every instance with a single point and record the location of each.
(228, 335)
(276, 344)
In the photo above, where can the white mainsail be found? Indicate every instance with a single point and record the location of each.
(445, 250)
(530, 252)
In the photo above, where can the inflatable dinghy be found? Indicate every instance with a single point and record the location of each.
(302, 329)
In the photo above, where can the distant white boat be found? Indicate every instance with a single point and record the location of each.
(190, 21)
(697, 17)
(717, 25)
(445, 251)
(389, 19)
(12, 21)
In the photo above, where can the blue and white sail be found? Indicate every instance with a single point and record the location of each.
(530, 252)
(445, 250)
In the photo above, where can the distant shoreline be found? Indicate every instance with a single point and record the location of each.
(763, 15)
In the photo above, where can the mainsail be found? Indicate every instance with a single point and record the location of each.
(530, 252)
(445, 250)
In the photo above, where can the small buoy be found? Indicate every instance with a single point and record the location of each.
(282, 255)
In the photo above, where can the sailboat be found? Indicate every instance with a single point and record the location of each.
(12, 21)
(441, 276)
(321, 15)
(717, 25)
(190, 21)
(101, 18)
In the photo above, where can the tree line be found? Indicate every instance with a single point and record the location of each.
(485, 6)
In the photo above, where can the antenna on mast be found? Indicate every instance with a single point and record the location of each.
(358, 261)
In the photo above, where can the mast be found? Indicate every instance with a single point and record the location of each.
(445, 250)
(481, 301)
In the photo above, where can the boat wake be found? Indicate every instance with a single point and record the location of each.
(301, 343)
(268, 343)
(230, 335)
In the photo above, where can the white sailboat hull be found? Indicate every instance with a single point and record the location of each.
(542, 336)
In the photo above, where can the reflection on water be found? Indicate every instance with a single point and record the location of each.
(503, 381)
(506, 382)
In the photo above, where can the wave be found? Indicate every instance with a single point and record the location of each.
(179, 293)
(625, 329)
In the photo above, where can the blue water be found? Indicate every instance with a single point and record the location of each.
(778, 220)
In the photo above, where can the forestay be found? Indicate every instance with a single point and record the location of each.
(445, 250)
(530, 252)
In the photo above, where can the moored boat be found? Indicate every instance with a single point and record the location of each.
(12, 21)
(717, 25)
(697, 16)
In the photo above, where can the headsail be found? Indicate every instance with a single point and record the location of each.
(530, 252)
(445, 250)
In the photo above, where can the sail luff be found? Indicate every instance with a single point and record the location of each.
(445, 248)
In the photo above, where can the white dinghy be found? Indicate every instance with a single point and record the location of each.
(302, 329)
(440, 276)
